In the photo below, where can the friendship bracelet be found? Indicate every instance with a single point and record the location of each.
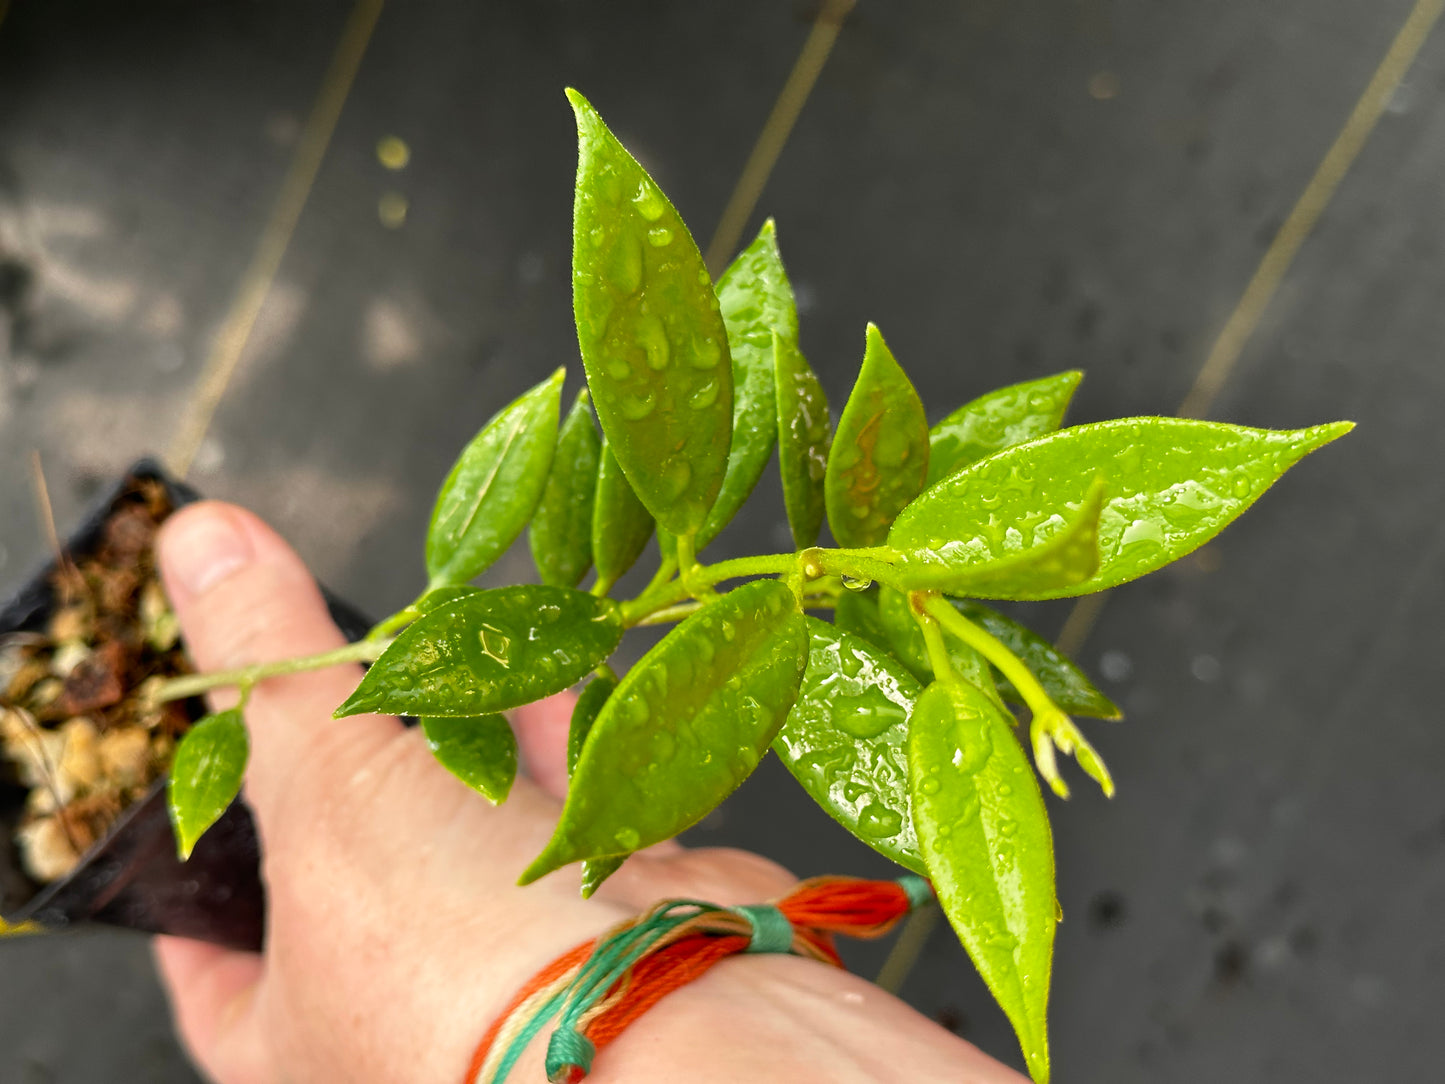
(603, 985)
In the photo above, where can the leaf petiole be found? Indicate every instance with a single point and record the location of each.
(245, 677)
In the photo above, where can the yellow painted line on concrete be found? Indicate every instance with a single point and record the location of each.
(230, 344)
(776, 129)
(1306, 214)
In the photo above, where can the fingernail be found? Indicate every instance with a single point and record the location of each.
(201, 549)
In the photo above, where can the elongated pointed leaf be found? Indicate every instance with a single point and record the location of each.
(757, 303)
(491, 491)
(1068, 686)
(621, 526)
(879, 458)
(1172, 485)
(685, 727)
(984, 833)
(997, 420)
(206, 773)
(480, 750)
(489, 651)
(597, 870)
(802, 441)
(906, 640)
(584, 714)
(651, 336)
(561, 531)
(846, 740)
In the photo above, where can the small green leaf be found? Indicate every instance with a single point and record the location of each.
(621, 526)
(879, 457)
(906, 640)
(1068, 686)
(985, 836)
(480, 750)
(685, 727)
(489, 651)
(584, 714)
(1173, 484)
(802, 441)
(561, 531)
(1024, 566)
(857, 612)
(997, 420)
(597, 870)
(846, 739)
(757, 303)
(493, 488)
(652, 339)
(206, 774)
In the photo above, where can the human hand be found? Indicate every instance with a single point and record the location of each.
(395, 930)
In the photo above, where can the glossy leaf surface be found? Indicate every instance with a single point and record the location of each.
(906, 640)
(984, 833)
(685, 727)
(757, 303)
(621, 525)
(480, 750)
(438, 597)
(879, 458)
(846, 740)
(489, 651)
(492, 490)
(997, 420)
(802, 441)
(857, 612)
(1172, 485)
(584, 714)
(206, 773)
(650, 331)
(597, 870)
(1068, 686)
(561, 532)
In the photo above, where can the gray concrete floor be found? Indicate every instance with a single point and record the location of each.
(1260, 901)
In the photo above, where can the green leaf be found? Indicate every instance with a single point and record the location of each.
(802, 441)
(879, 457)
(597, 870)
(997, 420)
(493, 488)
(685, 727)
(1021, 566)
(846, 739)
(906, 640)
(1068, 686)
(489, 651)
(1173, 484)
(652, 339)
(438, 597)
(621, 526)
(561, 531)
(857, 612)
(584, 714)
(985, 836)
(757, 303)
(206, 774)
(479, 750)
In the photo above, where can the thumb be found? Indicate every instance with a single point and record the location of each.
(243, 596)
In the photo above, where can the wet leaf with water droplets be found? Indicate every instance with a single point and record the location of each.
(997, 420)
(683, 729)
(561, 532)
(906, 640)
(621, 526)
(879, 457)
(802, 441)
(206, 772)
(1068, 686)
(650, 331)
(757, 303)
(846, 739)
(492, 490)
(984, 834)
(1172, 484)
(480, 750)
(490, 651)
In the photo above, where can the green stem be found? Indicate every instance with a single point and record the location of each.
(389, 627)
(195, 684)
(670, 594)
(937, 650)
(987, 645)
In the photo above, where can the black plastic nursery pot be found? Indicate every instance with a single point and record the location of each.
(132, 877)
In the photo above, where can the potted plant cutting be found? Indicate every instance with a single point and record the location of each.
(874, 668)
